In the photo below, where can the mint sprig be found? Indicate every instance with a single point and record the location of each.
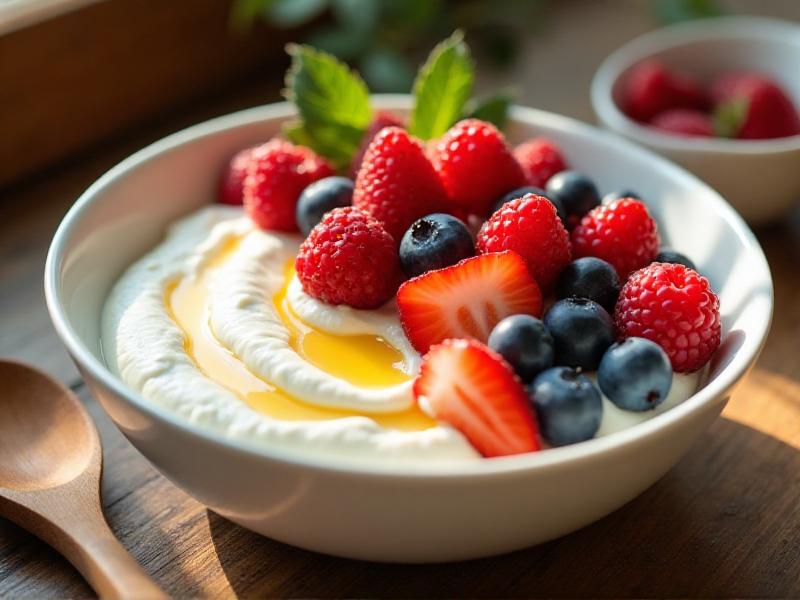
(442, 88)
(492, 108)
(333, 103)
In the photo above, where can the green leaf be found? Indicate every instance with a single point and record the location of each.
(332, 100)
(493, 109)
(291, 13)
(676, 11)
(442, 87)
(728, 118)
(244, 12)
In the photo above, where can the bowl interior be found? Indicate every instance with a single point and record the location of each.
(709, 48)
(126, 213)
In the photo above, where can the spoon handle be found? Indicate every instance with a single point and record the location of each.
(107, 566)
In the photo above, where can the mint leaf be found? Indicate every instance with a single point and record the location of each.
(332, 100)
(442, 87)
(493, 109)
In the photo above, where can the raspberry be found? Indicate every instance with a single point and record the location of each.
(622, 233)
(475, 165)
(349, 258)
(675, 307)
(530, 226)
(380, 121)
(279, 171)
(396, 183)
(540, 159)
(684, 121)
(232, 180)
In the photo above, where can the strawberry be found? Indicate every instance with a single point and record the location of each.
(467, 299)
(684, 121)
(472, 388)
(650, 88)
(475, 165)
(752, 106)
(396, 183)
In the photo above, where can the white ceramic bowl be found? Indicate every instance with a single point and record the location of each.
(369, 511)
(760, 178)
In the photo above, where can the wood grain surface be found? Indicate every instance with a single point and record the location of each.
(725, 522)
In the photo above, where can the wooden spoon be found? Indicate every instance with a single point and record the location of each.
(50, 466)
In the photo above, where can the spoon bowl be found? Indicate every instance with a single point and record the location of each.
(45, 419)
(51, 462)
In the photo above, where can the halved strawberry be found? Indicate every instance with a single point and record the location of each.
(472, 388)
(467, 299)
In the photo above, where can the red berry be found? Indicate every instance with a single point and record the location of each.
(540, 159)
(475, 165)
(279, 171)
(232, 180)
(530, 226)
(754, 107)
(675, 307)
(684, 121)
(381, 120)
(650, 88)
(473, 389)
(622, 233)
(396, 183)
(349, 258)
(466, 300)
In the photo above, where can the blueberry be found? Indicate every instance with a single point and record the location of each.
(668, 255)
(320, 197)
(576, 193)
(568, 406)
(591, 278)
(529, 189)
(582, 331)
(635, 374)
(625, 193)
(525, 343)
(434, 242)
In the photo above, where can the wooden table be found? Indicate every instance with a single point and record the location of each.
(724, 522)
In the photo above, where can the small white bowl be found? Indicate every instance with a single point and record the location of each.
(760, 178)
(412, 513)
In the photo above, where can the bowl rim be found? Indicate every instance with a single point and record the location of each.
(497, 467)
(674, 36)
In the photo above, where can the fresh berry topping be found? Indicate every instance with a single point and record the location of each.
(619, 194)
(685, 122)
(668, 255)
(675, 307)
(649, 88)
(540, 159)
(525, 343)
(524, 191)
(232, 179)
(591, 278)
(635, 374)
(349, 258)
(752, 106)
(575, 192)
(321, 197)
(396, 183)
(530, 226)
(466, 300)
(434, 242)
(622, 233)
(568, 406)
(475, 165)
(279, 171)
(381, 120)
(473, 389)
(582, 331)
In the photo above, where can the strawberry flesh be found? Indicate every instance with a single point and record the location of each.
(467, 299)
(467, 385)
